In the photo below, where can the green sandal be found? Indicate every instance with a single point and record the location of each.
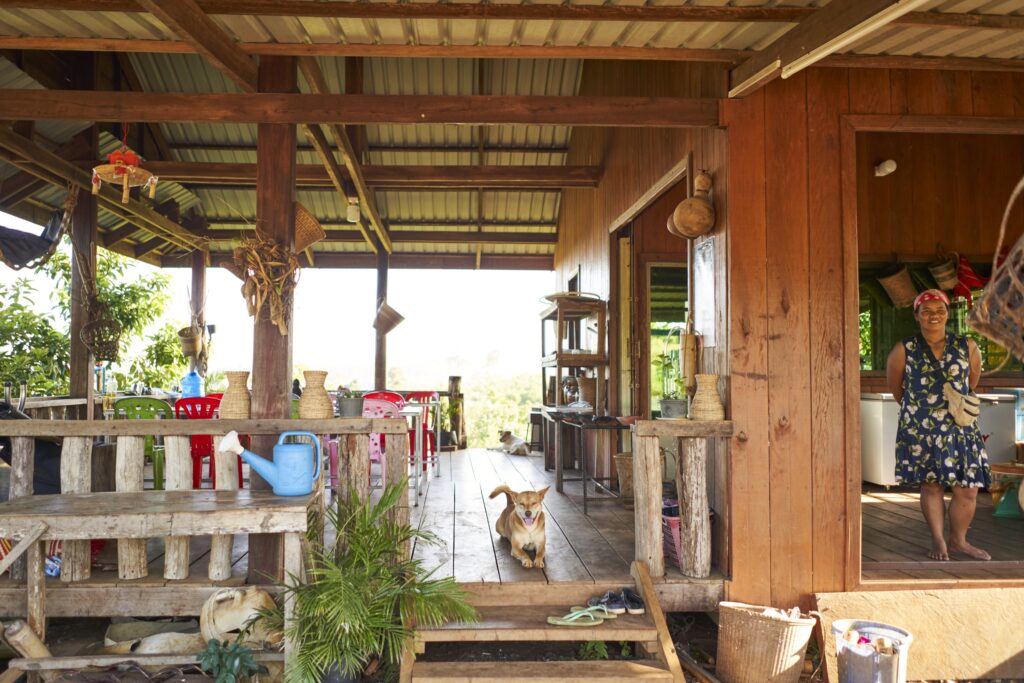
(599, 611)
(581, 616)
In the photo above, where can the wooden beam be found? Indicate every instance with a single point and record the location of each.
(416, 260)
(59, 172)
(134, 83)
(188, 20)
(337, 178)
(828, 30)
(23, 185)
(518, 12)
(330, 227)
(144, 248)
(112, 237)
(318, 85)
(201, 173)
(380, 355)
(95, 105)
(425, 236)
(509, 148)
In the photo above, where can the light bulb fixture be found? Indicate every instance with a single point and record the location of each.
(352, 213)
(885, 168)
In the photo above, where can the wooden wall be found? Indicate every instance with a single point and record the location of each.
(794, 463)
(947, 189)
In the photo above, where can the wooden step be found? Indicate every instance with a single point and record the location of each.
(530, 623)
(538, 672)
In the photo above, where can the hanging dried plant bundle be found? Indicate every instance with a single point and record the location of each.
(269, 273)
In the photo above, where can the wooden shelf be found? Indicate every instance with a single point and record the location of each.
(573, 360)
(684, 428)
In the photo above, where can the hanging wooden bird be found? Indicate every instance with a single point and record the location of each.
(694, 216)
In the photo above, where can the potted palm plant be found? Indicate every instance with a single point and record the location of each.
(361, 593)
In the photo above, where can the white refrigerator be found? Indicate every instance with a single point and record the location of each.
(879, 418)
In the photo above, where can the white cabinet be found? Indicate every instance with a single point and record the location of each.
(998, 424)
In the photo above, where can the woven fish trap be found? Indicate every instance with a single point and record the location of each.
(999, 312)
(101, 334)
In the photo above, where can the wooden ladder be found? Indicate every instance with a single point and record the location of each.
(528, 622)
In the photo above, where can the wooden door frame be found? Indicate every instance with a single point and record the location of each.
(850, 125)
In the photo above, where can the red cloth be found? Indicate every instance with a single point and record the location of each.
(930, 295)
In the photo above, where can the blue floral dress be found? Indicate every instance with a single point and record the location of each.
(930, 445)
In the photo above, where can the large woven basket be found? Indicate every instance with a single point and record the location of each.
(707, 404)
(999, 312)
(898, 285)
(308, 230)
(945, 269)
(236, 403)
(753, 648)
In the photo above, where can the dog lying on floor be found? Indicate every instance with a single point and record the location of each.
(512, 444)
(522, 523)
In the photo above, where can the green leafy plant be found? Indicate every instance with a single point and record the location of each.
(361, 594)
(348, 391)
(229, 662)
(31, 346)
(671, 382)
(625, 651)
(593, 649)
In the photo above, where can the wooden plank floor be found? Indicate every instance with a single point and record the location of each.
(896, 541)
(597, 547)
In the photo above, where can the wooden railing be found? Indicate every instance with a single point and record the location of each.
(691, 483)
(76, 473)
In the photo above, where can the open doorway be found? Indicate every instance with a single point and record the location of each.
(928, 209)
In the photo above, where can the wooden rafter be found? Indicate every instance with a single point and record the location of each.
(318, 85)
(97, 105)
(310, 175)
(397, 224)
(235, 147)
(426, 236)
(59, 172)
(828, 30)
(23, 184)
(316, 137)
(400, 260)
(188, 20)
(522, 12)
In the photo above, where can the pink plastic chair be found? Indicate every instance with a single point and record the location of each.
(384, 395)
(375, 407)
(429, 438)
(202, 408)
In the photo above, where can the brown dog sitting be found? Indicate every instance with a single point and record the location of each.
(522, 523)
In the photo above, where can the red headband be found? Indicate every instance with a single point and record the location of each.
(930, 295)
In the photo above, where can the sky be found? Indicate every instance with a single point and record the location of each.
(458, 322)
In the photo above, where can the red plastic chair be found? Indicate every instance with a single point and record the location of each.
(426, 422)
(202, 408)
(216, 396)
(384, 395)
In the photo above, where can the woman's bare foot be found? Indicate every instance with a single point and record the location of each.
(938, 551)
(969, 550)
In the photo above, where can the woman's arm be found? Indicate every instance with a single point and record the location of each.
(975, 368)
(894, 370)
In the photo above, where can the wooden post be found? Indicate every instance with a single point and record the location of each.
(396, 471)
(131, 462)
(353, 466)
(222, 544)
(177, 477)
(75, 477)
(36, 588)
(29, 644)
(292, 567)
(198, 294)
(23, 453)
(380, 364)
(647, 476)
(458, 405)
(272, 351)
(695, 527)
(83, 237)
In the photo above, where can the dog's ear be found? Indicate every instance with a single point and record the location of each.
(543, 492)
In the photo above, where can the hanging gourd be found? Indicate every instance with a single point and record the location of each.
(123, 168)
(694, 216)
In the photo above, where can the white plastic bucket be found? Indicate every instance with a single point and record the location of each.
(861, 663)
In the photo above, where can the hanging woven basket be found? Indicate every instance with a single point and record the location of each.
(895, 279)
(101, 334)
(308, 230)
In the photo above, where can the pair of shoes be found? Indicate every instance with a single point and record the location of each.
(582, 616)
(620, 602)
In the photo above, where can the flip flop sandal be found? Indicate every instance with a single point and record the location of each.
(577, 617)
(599, 611)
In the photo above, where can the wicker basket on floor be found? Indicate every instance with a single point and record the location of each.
(753, 648)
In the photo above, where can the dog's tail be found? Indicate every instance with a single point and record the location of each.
(506, 490)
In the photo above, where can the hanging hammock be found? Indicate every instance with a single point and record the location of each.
(23, 250)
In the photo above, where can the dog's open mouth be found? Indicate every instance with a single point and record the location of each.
(528, 521)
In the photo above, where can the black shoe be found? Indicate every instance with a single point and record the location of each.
(634, 603)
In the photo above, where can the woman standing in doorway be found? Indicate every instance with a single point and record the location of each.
(932, 450)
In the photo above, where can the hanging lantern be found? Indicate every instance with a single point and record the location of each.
(123, 168)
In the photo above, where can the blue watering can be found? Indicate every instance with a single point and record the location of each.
(293, 470)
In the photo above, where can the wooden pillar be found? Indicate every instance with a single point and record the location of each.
(198, 294)
(458, 410)
(83, 237)
(272, 351)
(380, 365)
(647, 475)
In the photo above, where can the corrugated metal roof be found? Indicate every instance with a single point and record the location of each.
(449, 145)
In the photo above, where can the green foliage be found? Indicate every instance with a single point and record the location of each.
(625, 651)
(31, 348)
(161, 363)
(228, 662)
(593, 649)
(496, 403)
(360, 591)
